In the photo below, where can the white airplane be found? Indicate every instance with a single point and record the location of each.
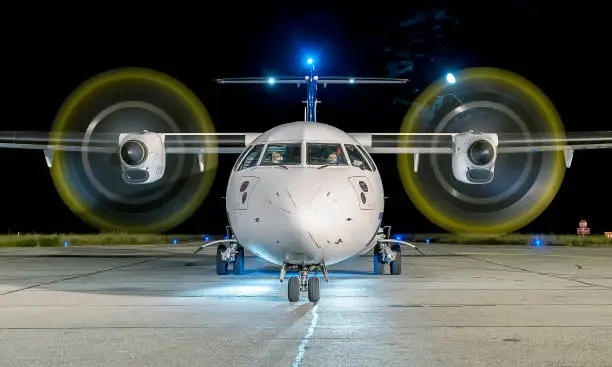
(303, 195)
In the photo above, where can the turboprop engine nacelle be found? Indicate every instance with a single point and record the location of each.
(142, 156)
(474, 156)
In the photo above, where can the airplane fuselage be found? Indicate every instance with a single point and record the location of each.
(306, 208)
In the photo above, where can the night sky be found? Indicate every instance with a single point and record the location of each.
(560, 48)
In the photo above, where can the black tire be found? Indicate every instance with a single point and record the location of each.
(221, 265)
(379, 267)
(293, 289)
(396, 265)
(314, 289)
(239, 264)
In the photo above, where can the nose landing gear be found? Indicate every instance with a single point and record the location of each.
(304, 283)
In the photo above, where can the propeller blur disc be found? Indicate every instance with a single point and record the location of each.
(123, 101)
(492, 101)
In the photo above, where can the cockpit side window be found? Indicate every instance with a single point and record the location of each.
(357, 159)
(252, 157)
(239, 160)
(287, 154)
(368, 157)
(325, 154)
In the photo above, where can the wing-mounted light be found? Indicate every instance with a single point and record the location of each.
(474, 156)
(142, 156)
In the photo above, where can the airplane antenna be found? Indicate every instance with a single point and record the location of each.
(311, 81)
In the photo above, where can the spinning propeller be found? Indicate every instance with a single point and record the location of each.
(135, 150)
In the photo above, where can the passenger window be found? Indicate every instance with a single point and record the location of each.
(357, 159)
(320, 154)
(368, 157)
(244, 152)
(287, 154)
(252, 157)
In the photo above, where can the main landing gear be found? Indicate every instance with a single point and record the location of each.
(385, 254)
(228, 252)
(303, 283)
(389, 251)
(231, 253)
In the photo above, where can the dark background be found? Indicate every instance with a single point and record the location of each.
(49, 51)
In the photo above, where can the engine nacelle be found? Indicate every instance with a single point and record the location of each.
(142, 156)
(474, 156)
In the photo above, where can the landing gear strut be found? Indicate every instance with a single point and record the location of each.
(303, 283)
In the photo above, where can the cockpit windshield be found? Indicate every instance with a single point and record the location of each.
(286, 154)
(325, 154)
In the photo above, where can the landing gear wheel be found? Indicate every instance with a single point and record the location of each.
(239, 263)
(293, 289)
(221, 265)
(396, 265)
(379, 266)
(313, 289)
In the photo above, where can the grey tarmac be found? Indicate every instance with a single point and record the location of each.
(160, 306)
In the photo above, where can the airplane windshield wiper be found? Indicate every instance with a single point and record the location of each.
(327, 165)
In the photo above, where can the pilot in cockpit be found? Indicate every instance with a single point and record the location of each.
(332, 158)
(277, 157)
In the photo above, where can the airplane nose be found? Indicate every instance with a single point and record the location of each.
(321, 209)
(314, 211)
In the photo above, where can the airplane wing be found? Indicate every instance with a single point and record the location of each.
(442, 143)
(175, 143)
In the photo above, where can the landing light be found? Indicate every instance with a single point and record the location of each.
(450, 78)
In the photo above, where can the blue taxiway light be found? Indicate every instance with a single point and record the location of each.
(225, 237)
(271, 80)
(427, 240)
(206, 238)
(450, 78)
(310, 61)
(66, 243)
